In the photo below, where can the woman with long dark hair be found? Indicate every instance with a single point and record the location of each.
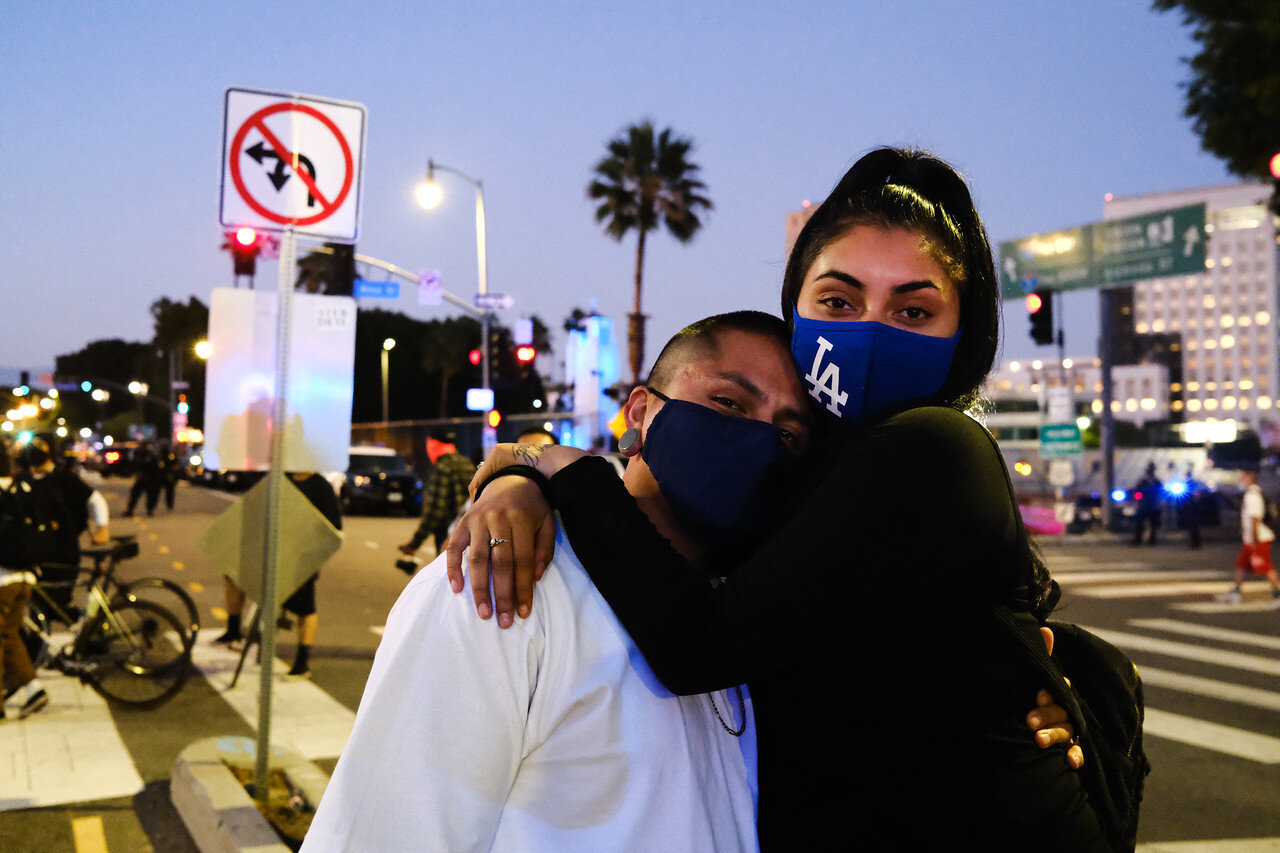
(867, 609)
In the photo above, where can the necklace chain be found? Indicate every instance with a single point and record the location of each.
(742, 711)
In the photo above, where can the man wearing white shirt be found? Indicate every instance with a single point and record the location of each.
(554, 734)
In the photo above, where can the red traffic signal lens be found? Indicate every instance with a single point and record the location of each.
(474, 356)
(1275, 165)
(1034, 303)
(525, 354)
(495, 418)
(246, 238)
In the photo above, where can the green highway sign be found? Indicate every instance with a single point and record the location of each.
(1060, 440)
(1112, 253)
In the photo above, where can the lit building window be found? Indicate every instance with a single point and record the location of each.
(1210, 404)
(1227, 342)
(1193, 386)
(1262, 318)
(1228, 403)
(1244, 402)
(1226, 262)
(1148, 404)
(1193, 405)
(1176, 406)
(1264, 402)
(1175, 387)
(1227, 321)
(1245, 321)
(1096, 407)
(1115, 407)
(1208, 300)
(1246, 384)
(1210, 263)
(1142, 328)
(1210, 344)
(1157, 326)
(1131, 405)
(1211, 386)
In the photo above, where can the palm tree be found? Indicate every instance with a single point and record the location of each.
(643, 182)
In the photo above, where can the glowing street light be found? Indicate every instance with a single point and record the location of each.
(387, 346)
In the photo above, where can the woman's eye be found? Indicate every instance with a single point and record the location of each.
(835, 303)
(727, 403)
(916, 312)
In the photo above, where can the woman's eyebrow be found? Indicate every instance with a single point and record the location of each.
(905, 287)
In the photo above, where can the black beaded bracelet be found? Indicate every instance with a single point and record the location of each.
(526, 471)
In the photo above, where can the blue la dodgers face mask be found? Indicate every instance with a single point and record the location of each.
(865, 369)
(721, 475)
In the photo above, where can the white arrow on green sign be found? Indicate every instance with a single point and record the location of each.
(1106, 254)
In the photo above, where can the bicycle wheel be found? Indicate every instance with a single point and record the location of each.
(136, 653)
(166, 594)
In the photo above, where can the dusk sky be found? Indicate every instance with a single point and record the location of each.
(112, 138)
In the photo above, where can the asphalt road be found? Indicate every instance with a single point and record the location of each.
(1212, 673)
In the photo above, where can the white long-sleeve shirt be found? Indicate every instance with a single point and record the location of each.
(550, 735)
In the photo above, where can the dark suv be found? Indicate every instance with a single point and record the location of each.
(379, 479)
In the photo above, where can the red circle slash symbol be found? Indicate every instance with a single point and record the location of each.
(256, 122)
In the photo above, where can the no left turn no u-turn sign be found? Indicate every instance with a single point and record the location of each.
(292, 161)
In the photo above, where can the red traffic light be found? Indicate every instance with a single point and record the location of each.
(1275, 165)
(246, 238)
(474, 356)
(495, 418)
(525, 354)
(1034, 303)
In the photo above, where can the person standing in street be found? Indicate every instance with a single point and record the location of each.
(1147, 494)
(446, 493)
(1256, 538)
(148, 478)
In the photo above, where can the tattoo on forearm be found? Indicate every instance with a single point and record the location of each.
(527, 454)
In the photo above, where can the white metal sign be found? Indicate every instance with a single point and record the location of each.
(292, 161)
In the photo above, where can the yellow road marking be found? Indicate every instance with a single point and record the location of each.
(178, 565)
(163, 549)
(88, 835)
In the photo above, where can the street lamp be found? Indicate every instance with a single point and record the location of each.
(429, 196)
(387, 346)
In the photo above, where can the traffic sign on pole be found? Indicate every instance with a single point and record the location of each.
(1111, 253)
(292, 160)
(494, 301)
(1060, 440)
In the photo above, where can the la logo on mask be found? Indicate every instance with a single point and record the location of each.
(829, 381)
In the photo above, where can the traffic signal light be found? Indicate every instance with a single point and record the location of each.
(1273, 204)
(245, 245)
(475, 356)
(525, 354)
(1040, 310)
(495, 418)
(344, 269)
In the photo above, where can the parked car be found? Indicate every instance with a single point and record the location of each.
(117, 460)
(380, 480)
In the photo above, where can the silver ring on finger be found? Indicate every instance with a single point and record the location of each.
(497, 541)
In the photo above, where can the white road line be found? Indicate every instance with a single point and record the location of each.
(1057, 565)
(1095, 577)
(1212, 688)
(1256, 606)
(1225, 635)
(1154, 590)
(303, 716)
(1219, 738)
(1234, 660)
(1221, 845)
(71, 752)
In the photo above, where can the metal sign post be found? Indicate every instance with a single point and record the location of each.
(275, 482)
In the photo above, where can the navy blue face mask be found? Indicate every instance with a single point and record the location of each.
(721, 475)
(865, 369)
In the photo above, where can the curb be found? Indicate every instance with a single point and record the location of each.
(219, 814)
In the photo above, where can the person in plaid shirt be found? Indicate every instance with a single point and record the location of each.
(446, 492)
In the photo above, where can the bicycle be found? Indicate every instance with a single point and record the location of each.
(128, 649)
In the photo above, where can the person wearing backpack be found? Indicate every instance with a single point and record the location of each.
(1256, 538)
(62, 506)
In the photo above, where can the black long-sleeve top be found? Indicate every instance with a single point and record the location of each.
(896, 719)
